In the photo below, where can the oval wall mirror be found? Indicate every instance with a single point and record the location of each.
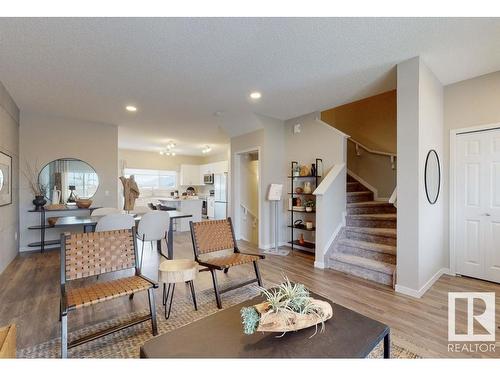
(69, 179)
(432, 176)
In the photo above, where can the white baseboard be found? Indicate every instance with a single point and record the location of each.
(373, 189)
(319, 265)
(324, 262)
(271, 246)
(419, 293)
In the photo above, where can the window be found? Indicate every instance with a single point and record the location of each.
(153, 182)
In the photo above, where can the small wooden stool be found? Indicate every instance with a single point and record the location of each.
(176, 271)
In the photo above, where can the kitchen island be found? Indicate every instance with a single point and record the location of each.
(191, 206)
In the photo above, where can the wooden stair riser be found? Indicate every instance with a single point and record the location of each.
(370, 223)
(355, 186)
(361, 272)
(353, 250)
(385, 240)
(364, 197)
(385, 209)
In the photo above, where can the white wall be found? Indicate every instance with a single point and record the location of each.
(420, 243)
(316, 140)
(468, 103)
(9, 144)
(270, 141)
(45, 138)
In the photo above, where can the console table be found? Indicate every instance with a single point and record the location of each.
(44, 225)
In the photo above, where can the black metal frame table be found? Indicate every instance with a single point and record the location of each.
(347, 334)
(89, 223)
(174, 215)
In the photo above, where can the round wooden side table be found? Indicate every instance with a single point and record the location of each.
(176, 271)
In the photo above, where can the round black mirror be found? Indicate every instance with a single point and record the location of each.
(68, 179)
(432, 176)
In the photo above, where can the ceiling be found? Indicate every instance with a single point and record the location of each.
(180, 72)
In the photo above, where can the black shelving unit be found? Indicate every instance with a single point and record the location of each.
(294, 243)
(44, 225)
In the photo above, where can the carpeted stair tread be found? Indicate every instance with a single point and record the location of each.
(374, 216)
(355, 193)
(384, 232)
(370, 246)
(370, 264)
(369, 204)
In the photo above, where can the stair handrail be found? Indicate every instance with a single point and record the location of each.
(247, 210)
(331, 203)
(394, 197)
(391, 155)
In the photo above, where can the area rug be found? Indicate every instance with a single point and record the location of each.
(126, 343)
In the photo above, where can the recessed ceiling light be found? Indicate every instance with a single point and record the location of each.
(131, 108)
(255, 95)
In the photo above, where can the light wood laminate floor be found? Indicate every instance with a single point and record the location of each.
(29, 296)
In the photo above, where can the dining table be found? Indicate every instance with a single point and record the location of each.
(89, 223)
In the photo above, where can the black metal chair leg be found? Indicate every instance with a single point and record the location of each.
(216, 289)
(152, 309)
(166, 296)
(226, 270)
(257, 273)
(193, 294)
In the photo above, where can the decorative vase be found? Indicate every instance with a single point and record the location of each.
(307, 188)
(301, 239)
(39, 202)
(309, 209)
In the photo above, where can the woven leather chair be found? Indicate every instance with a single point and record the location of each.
(91, 254)
(215, 248)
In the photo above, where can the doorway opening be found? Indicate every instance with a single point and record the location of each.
(247, 208)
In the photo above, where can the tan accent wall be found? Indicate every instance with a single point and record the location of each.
(370, 121)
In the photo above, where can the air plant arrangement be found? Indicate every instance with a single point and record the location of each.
(288, 307)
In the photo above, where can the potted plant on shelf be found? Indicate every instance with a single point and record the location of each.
(39, 190)
(310, 205)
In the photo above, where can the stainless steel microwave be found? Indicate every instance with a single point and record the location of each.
(208, 178)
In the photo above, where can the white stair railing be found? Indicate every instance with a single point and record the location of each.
(331, 198)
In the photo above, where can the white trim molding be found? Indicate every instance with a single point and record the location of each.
(420, 292)
(373, 189)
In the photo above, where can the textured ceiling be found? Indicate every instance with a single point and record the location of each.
(179, 72)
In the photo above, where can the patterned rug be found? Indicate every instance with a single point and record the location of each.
(126, 343)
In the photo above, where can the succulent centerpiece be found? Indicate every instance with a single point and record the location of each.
(288, 307)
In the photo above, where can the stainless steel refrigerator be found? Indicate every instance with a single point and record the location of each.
(220, 194)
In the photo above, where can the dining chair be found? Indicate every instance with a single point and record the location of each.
(153, 226)
(115, 222)
(215, 248)
(103, 211)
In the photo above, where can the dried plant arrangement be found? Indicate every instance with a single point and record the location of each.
(31, 172)
(288, 307)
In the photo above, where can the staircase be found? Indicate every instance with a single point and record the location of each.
(366, 247)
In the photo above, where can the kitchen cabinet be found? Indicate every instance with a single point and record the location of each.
(213, 168)
(190, 175)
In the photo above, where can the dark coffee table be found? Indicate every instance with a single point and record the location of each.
(347, 335)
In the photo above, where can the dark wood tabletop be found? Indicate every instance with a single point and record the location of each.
(347, 335)
(67, 221)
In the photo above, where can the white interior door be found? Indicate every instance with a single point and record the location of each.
(477, 203)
